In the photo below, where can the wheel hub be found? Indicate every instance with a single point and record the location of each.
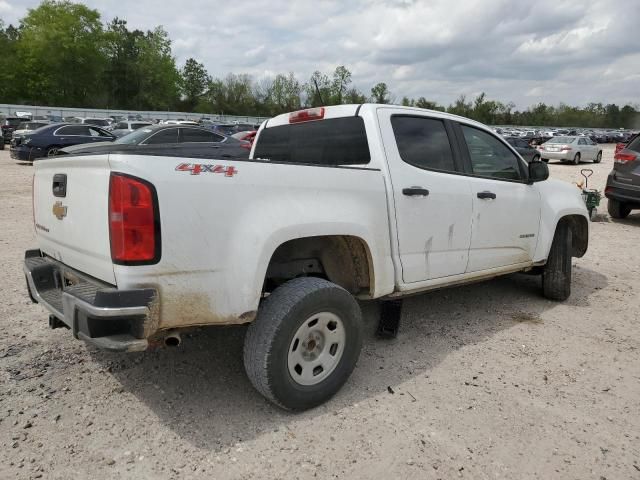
(316, 348)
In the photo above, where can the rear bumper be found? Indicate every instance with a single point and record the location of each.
(99, 314)
(622, 192)
(21, 152)
(567, 155)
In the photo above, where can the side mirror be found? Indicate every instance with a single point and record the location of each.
(538, 172)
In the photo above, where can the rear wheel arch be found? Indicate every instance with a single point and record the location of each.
(342, 259)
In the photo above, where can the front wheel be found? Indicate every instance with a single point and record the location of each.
(52, 151)
(304, 343)
(598, 158)
(556, 276)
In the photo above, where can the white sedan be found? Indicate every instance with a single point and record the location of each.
(570, 149)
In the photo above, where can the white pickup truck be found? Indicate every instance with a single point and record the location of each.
(334, 204)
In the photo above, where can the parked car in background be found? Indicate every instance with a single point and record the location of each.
(169, 140)
(623, 183)
(8, 125)
(247, 135)
(98, 122)
(525, 150)
(47, 140)
(1, 140)
(570, 149)
(122, 128)
(26, 127)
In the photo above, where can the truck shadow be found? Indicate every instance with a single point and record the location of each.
(199, 390)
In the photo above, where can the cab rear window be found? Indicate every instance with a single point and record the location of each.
(331, 142)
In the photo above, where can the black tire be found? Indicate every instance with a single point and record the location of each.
(545, 160)
(269, 339)
(576, 159)
(618, 209)
(556, 276)
(536, 158)
(598, 158)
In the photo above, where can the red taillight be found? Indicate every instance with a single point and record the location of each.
(565, 148)
(619, 146)
(306, 115)
(624, 156)
(134, 223)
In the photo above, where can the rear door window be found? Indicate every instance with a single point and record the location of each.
(331, 142)
(76, 130)
(489, 156)
(169, 135)
(196, 135)
(423, 142)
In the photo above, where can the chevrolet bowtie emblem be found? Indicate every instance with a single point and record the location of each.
(59, 210)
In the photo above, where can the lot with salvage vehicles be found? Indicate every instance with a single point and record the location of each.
(484, 381)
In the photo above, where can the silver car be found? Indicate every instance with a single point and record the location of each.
(570, 149)
(122, 128)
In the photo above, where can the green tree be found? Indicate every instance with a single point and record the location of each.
(424, 103)
(123, 77)
(380, 93)
(354, 95)
(159, 84)
(339, 86)
(193, 83)
(318, 90)
(60, 54)
(10, 87)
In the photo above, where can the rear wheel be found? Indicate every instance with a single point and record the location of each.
(536, 158)
(598, 158)
(618, 209)
(304, 343)
(576, 159)
(556, 276)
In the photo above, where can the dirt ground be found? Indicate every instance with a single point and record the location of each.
(484, 381)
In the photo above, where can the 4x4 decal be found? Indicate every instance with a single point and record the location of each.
(198, 168)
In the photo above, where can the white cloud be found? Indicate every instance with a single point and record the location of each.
(574, 51)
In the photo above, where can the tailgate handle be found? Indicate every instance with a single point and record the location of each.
(60, 185)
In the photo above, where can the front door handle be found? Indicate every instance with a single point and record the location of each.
(415, 192)
(486, 195)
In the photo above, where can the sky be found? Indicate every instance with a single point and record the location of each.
(521, 51)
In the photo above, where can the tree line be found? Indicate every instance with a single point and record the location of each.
(61, 54)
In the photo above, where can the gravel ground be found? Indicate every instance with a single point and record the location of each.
(484, 381)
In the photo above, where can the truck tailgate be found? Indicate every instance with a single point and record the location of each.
(70, 204)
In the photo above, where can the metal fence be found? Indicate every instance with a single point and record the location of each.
(34, 110)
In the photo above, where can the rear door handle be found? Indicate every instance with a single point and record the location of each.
(485, 195)
(415, 192)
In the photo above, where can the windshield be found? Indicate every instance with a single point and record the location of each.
(561, 140)
(135, 137)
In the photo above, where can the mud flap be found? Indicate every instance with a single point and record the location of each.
(390, 313)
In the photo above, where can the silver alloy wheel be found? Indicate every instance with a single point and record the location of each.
(316, 348)
(52, 152)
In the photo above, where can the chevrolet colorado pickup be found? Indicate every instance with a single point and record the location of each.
(334, 204)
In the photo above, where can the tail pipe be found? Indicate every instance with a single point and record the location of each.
(172, 339)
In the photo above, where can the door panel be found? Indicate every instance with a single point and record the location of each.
(432, 207)
(506, 211)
